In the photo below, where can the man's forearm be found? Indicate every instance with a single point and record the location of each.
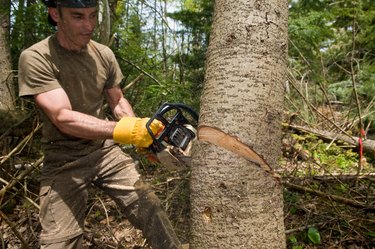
(123, 109)
(84, 126)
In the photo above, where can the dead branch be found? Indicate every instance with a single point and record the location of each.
(142, 71)
(334, 177)
(21, 145)
(20, 177)
(336, 198)
(15, 231)
(368, 145)
(291, 81)
(133, 82)
(299, 229)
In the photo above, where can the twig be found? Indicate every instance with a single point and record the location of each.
(15, 231)
(333, 177)
(299, 229)
(21, 145)
(105, 211)
(143, 71)
(20, 177)
(317, 111)
(139, 77)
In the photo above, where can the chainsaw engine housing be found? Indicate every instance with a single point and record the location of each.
(179, 122)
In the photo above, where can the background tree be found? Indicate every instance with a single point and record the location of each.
(7, 96)
(235, 202)
(331, 56)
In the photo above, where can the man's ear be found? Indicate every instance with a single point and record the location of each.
(53, 12)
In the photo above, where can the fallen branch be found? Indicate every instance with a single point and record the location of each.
(20, 177)
(334, 177)
(15, 231)
(368, 145)
(21, 145)
(302, 228)
(291, 80)
(336, 198)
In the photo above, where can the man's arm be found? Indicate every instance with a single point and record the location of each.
(129, 130)
(57, 107)
(119, 105)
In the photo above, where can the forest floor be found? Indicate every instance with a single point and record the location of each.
(311, 221)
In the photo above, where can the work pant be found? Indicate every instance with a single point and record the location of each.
(64, 194)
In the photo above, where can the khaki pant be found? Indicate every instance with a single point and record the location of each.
(63, 199)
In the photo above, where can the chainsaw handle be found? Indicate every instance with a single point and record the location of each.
(179, 107)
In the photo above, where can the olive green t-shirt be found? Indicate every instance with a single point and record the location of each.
(83, 75)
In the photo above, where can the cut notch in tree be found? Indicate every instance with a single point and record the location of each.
(231, 143)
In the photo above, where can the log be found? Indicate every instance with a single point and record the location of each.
(368, 145)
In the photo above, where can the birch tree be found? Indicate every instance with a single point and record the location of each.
(236, 196)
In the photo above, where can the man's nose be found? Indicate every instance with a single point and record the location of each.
(89, 24)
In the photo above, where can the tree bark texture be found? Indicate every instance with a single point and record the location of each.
(6, 78)
(235, 203)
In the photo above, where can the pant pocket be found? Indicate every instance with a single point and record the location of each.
(46, 214)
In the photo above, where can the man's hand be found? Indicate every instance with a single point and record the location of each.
(132, 130)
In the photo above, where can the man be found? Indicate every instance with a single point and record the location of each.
(70, 76)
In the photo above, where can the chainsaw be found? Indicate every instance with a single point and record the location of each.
(173, 144)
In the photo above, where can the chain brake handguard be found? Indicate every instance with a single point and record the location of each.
(175, 130)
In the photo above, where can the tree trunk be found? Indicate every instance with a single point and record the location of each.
(6, 76)
(236, 199)
(104, 23)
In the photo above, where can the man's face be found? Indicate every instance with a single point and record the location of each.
(75, 26)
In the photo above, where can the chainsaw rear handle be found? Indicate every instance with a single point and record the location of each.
(175, 132)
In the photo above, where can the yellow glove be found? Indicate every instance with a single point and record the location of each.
(132, 130)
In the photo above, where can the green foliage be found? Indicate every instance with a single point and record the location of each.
(328, 155)
(334, 157)
(371, 234)
(142, 48)
(29, 25)
(293, 240)
(332, 47)
(314, 235)
(366, 79)
(311, 32)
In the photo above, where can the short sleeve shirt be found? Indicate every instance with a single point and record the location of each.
(83, 75)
